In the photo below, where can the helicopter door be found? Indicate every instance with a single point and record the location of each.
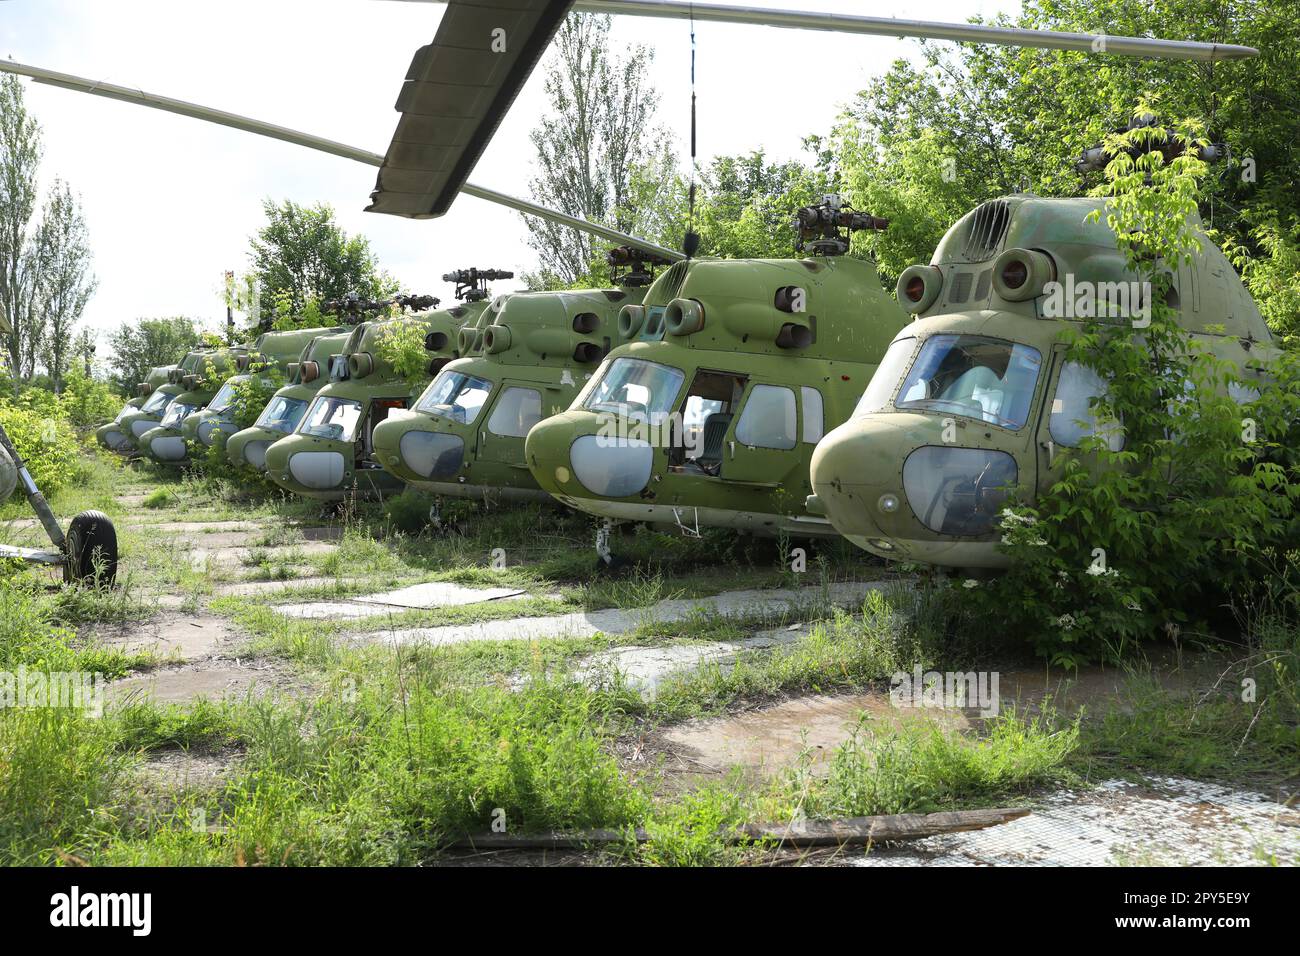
(517, 409)
(1068, 417)
(760, 446)
(379, 411)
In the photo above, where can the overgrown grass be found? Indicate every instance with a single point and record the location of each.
(916, 767)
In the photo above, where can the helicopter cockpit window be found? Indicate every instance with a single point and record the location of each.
(224, 398)
(282, 414)
(1073, 419)
(157, 402)
(636, 388)
(768, 420)
(455, 395)
(333, 418)
(516, 412)
(177, 413)
(883, 383)
(990, 380)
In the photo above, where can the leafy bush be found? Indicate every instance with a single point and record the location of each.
(401, 346)
(44, 439)
(87, 402)
(1153, 537)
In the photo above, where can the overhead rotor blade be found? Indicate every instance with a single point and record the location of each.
(922, 29)
(271, 130)
(455, 94)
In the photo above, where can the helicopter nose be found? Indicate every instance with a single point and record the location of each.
(300, 464)
(409, 449)
(569, 456)
(856, 479)
(166, 447)
(112, 437)
(255, 454)
(140, 426)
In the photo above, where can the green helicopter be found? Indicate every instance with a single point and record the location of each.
(112, 436)
(976, 396)
(272, 354)
(165, 442)
(729, 374)
(329, 455)
(284, 411)
(135, 424)
(528, 356)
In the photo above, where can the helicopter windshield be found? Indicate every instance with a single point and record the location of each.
(223, 399)
(157, 402)
(176, 413)
(282, 414)
(991, 380)
(636, 388)
(333, 418)
(455, 395)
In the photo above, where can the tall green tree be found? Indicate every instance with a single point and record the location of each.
(145, 343)
(65, 283)
(303, 256)
(593, 138)
(745, 205)
(924, 143)
(20, 160)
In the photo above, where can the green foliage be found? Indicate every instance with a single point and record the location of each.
(922, 767)
(140, 346)
(59, 775)
(43, 437)
(252, 394)
(408, 513)
(1147, 539)
(746, 205)
(87, 402)
(401, 346)
(302, 257)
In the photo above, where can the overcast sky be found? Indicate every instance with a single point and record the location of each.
(171, 202)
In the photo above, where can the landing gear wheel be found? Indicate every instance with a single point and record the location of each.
(91, 550)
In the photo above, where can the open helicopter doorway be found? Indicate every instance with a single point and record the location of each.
(706, 416)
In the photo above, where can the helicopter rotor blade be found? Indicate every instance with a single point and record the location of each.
(318, 143)
(921, 29)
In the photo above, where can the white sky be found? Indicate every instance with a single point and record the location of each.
(171, 202)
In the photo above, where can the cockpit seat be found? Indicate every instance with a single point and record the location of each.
(715, 429)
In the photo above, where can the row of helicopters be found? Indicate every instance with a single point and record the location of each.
(776, 396)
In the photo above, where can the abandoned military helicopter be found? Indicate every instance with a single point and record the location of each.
(329, 455)
(87, 552)
(728, 375)
(165, 442)
(976, 396)
(134, 424)
(112, 436)
(529, 355)
(285, 409)
(272, 354)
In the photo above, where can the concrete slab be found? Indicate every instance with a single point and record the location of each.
(1169, 821)
(438, 594)
(187, 638)
(427, 596)
(187, 684)
(773, 603)
(646, 668)
(202, 529)
(255, 588)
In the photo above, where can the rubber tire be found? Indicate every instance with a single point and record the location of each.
(89, 534)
